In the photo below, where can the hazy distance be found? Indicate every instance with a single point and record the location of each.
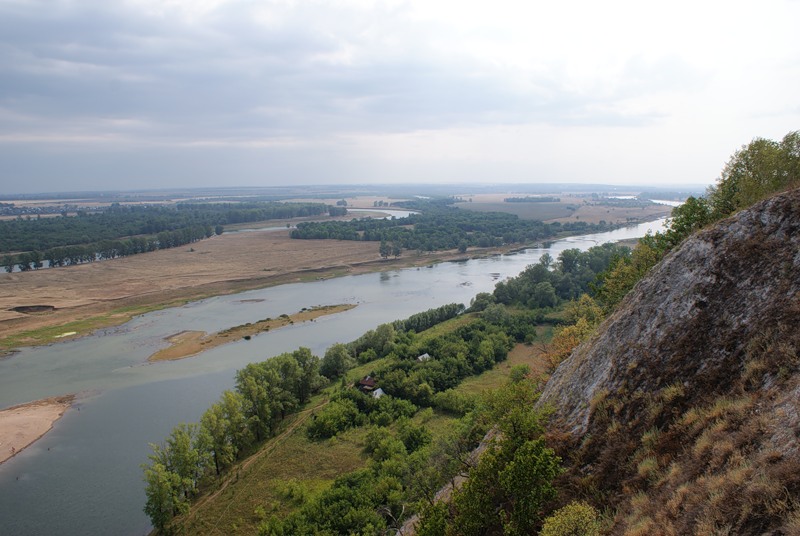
(149, 94)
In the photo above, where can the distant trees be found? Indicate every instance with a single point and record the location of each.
(120, 231)
(440, 227)
(539, 286)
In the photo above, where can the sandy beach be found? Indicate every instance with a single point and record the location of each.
(23, 424)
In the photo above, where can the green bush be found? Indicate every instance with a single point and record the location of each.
(575, 519)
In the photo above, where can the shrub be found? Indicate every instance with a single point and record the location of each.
(575, 519)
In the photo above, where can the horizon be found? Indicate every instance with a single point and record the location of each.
(145, 94)
(337, 190)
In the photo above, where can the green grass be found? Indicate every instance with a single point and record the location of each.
(48, 334)
(285, 472)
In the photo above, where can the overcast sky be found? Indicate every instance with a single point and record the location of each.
(99, 94)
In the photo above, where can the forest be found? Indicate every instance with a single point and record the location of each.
(123, 230)
(441, 227)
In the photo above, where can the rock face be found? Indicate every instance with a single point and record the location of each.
(682, 413)
(694, 317)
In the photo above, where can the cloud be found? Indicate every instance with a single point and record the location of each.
(135, 76)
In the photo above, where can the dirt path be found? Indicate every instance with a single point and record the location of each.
(301, 418)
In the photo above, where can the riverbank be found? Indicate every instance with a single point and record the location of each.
(190, 343)
(22, 425)
(47, 306)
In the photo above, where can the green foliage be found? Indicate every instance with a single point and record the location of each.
(757, 170)
(440, 227)
(427, 319)
(336, 362)
(265, 393)
(336, 417)
(453, 401)
(623, 274)
(574, 519)
(519, 372)
(163, 501)
(539, 286)
(507, 490)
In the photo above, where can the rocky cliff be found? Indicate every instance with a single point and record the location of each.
(683, 411)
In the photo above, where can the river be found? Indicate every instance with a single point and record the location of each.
(84, 476)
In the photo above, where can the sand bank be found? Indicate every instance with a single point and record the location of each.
(22, 425)
(189, 343)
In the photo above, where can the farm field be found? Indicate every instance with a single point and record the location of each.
(568, 209)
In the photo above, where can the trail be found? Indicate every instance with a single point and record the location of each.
(301, 417)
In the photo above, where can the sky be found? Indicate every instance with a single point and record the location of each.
(140, 94)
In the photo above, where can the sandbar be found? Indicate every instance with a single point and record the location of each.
(23, 424)
(190, 343)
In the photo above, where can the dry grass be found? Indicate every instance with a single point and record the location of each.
(91, 296)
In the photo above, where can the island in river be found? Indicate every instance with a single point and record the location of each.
(189, 343)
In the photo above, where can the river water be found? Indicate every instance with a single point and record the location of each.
(84, 476)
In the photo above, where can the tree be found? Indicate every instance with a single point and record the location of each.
(385, 249)
(309, 380)
(256, 384)
(693, 214)
(224, 430)
(527, 483)
(161, 490)
(185, 457)
(336, 362)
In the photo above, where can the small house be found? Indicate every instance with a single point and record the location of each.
(367, 384)
(424, 357)
(377, 393)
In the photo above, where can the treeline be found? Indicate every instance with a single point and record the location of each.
(549, 283)
(131, 229)
(427, 319)
(754, 172)
(107, 249)
(441, 228)
(532, 199)
(195, 454)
